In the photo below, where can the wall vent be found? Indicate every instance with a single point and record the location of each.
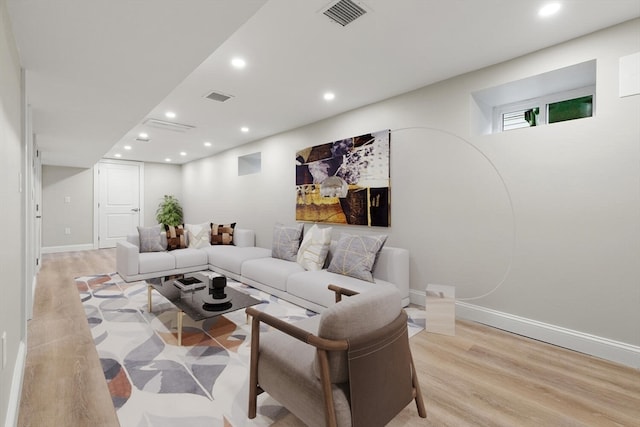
(218, 96)
(344, 12)
(162, 124)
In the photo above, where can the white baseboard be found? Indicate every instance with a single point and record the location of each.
(16, 387)
(604, 348)
(68, 248)
(417, 297)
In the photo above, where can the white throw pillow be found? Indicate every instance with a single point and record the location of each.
(314, 248)
(198, 235)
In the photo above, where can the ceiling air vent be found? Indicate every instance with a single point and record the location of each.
(217, 96)
(344, 12)
(162, 124)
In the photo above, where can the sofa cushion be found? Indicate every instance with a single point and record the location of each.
(222, 234)
(355, 256)
(270, 271)
(312, 285)
(190, 257)
(198, 235)
(286, 241)
(176, 237)
(151, 262)
(314, 248)
(149, 239)
(231, 258)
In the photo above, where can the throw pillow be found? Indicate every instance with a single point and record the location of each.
(314, 248)
(222, 234)
(176, 239)
(198, 235)
(150, 239)
(355, 256)
(286, 241)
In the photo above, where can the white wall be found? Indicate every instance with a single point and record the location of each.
(159, 179)
(58, 184)
(539, 223)
(12, 303)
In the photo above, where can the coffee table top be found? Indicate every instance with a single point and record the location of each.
(191, 302)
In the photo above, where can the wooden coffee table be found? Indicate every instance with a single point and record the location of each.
(191, 302)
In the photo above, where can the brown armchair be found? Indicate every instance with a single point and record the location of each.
(349, 366)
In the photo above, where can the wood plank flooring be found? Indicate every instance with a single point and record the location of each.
(479, 377)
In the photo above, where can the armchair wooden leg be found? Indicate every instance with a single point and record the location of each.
(422, 411)
(329, 409)
(253, 368)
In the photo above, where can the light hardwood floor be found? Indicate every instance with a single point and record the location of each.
(479, 377)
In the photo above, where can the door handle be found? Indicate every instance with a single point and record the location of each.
(38, 216)
(135, 210)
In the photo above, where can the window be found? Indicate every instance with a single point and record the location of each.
(554, 96)
(249, 164)
(577, 108)
(557, 107)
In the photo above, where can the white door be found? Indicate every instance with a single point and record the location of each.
(119, 201)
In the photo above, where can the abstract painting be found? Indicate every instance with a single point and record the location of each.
(345, 181)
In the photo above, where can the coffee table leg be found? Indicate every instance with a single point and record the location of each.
(180, 314)
(149, 289)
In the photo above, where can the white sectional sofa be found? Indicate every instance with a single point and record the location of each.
(252, 265)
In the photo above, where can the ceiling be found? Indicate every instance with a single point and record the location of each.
(96, 71)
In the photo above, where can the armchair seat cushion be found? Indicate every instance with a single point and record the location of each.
(279, 373)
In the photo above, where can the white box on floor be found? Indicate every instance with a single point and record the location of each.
(440, 309)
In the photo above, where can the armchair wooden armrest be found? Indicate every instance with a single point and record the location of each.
(341, 291)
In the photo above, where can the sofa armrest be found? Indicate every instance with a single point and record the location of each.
(127, 258)
(392, 266)
(243, 237)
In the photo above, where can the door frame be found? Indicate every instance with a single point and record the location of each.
(96, 194)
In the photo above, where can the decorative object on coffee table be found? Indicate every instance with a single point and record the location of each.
(217, 300)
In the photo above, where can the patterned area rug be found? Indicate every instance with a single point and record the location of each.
(154, 382)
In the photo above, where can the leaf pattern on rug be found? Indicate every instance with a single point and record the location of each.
(117, 381)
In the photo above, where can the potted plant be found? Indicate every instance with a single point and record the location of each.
(169, 211)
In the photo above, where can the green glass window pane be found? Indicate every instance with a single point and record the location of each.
(570, 109)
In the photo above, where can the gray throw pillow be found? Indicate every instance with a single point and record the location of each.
(150, 239)
(286, 241)
(355, 256)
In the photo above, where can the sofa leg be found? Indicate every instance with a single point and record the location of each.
(149, 289)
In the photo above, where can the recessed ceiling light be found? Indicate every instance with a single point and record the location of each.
(117, 155)
(549, 9)
(170, 114)
(167, 159)
(329, 96)
(207, 144)
(127, 147)
(244, 129)
(238, 63)
(143, 135)
(182, 153)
